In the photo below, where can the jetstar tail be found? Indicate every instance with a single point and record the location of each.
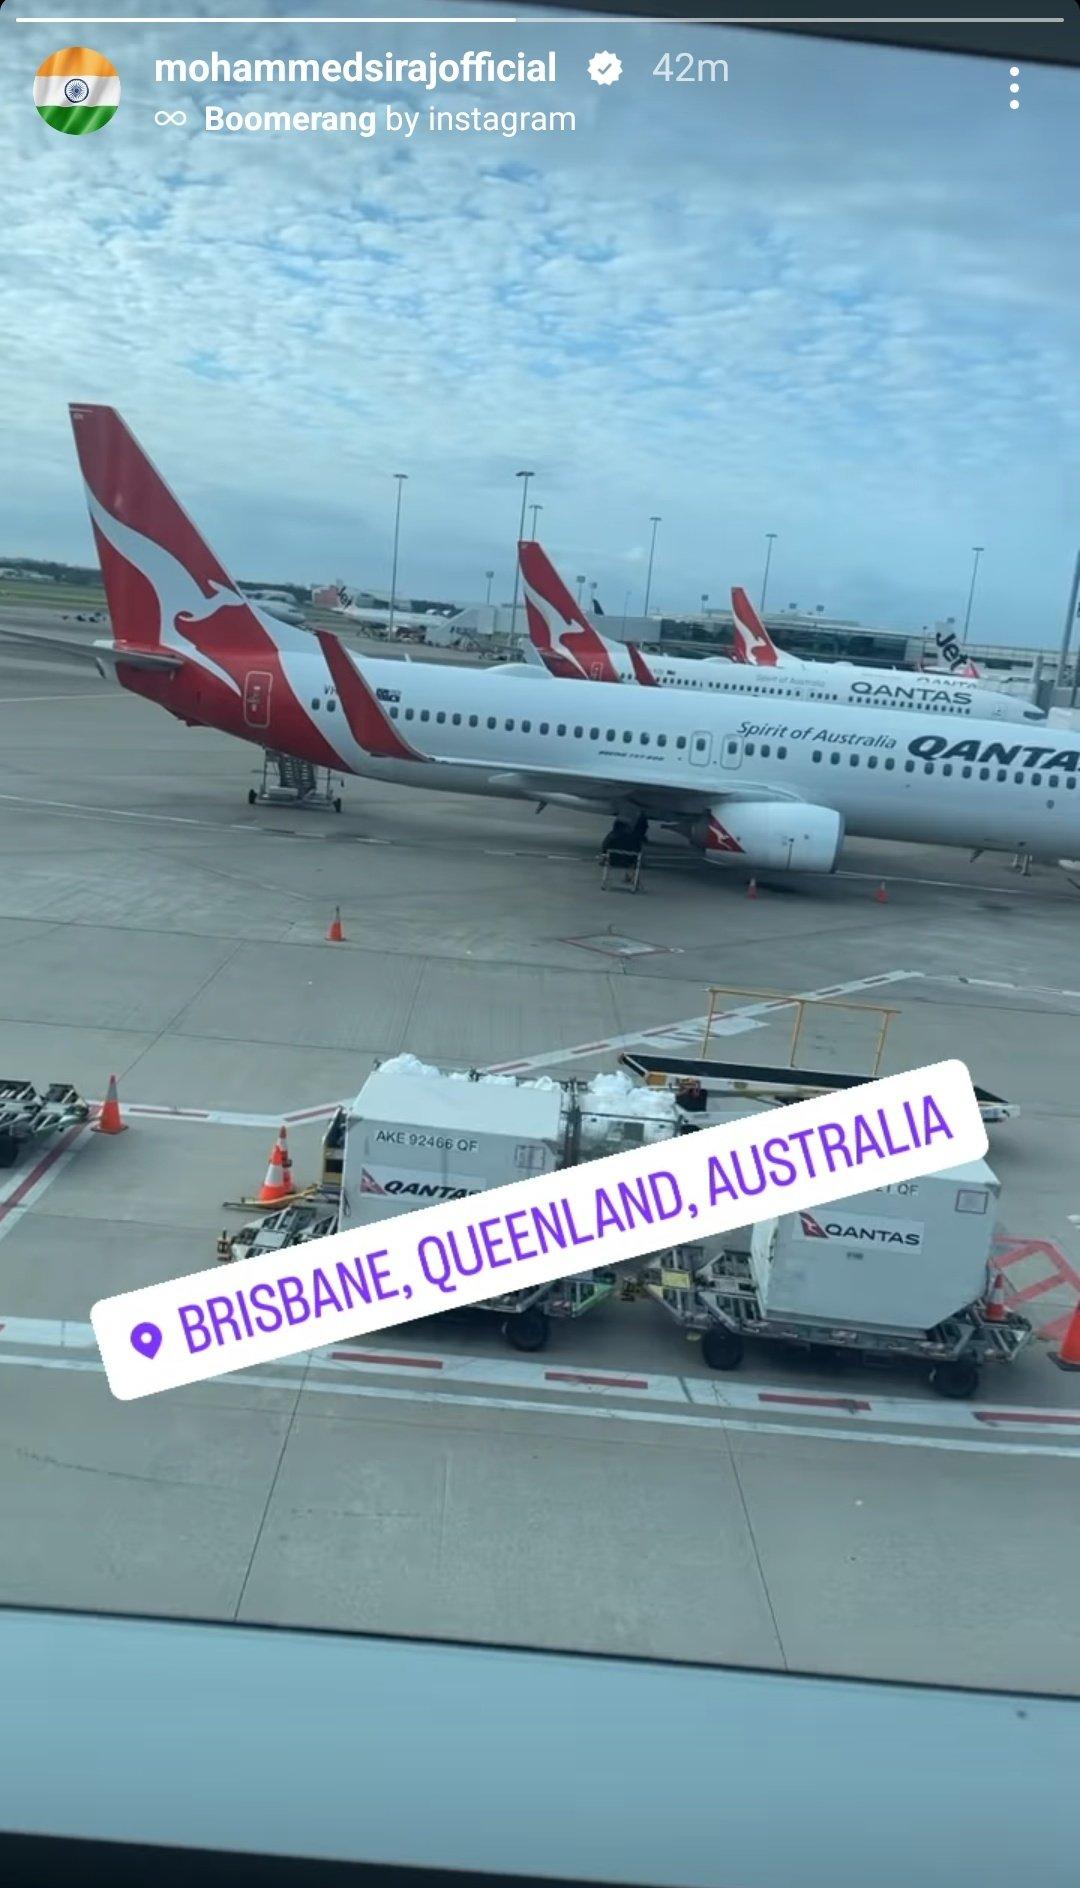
(568, 644)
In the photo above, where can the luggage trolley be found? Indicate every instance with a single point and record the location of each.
(715, 1294)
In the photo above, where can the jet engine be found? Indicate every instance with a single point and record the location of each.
(770, 835)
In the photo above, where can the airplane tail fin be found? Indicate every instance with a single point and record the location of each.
(753, 643)
(568, 643)
(161, 577)
(643, 675)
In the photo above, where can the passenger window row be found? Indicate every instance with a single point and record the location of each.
(1000, 775)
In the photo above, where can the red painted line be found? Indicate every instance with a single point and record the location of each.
(29, 1180)
(815, 1402)
(1056, 1328)
(1036, 1290)
(1026, 1416)
(383, 1357)
(313, 1114)
(616, 1383)
(584, 1048)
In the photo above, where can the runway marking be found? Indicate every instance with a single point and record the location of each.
(389, 1360)
(82, 811)
(29, 1188)
(1061, 1276)
(727, 1022)
(501, 1372)
(606, 1412)
(955, 884)
(79, 694)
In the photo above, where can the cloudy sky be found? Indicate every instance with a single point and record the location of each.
(836, 298)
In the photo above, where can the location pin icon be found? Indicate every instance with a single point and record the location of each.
(147, 1339)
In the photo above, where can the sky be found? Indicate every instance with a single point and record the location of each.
(836, 298)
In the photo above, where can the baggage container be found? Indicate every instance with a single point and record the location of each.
(901, 1258)
(415, 1139)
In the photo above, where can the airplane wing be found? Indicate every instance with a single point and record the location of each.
(103, 655)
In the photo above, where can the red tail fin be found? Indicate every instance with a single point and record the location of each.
(753, 643)
(642, 672)
(558, 627)
(163, 583)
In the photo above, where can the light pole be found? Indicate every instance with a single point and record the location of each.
(580, 587)
(1066, 640)
(490, 575)
(978, 550)
(524, 477)
(401, 478)
(704, 601)
(771, 540)
(536, 510)
(655, 522)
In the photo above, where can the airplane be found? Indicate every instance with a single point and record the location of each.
(570, 646)
(758, 786)
(443, 623)
(753, 644)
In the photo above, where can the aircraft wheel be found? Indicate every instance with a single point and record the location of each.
(252, 796)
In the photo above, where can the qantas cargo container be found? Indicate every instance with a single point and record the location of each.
(902, 1258)
(415, 1139)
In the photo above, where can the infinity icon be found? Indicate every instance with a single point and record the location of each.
(170, 117)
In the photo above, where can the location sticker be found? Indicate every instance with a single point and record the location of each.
(146, 1339)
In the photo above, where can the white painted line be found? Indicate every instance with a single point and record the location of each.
(692, 1030)
(79, 694)
(572, 1376)
(82, 811)
(604, 1412)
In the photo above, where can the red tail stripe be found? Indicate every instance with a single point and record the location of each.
(370, 727)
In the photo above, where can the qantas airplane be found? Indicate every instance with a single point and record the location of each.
(571, 647)
(756, 785)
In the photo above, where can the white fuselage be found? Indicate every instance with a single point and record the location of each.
(935, 778)
(843, 684)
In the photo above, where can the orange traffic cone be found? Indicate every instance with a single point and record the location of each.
(1068, 1357)
(751, 890)
(276, 1186)
(881, 896)
(109, 1120)
(336, 935)
(994, 1311)
(286, 1159)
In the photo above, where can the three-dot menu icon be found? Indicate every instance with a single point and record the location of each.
(1014, 88)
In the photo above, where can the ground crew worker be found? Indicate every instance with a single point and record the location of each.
(690, 1096)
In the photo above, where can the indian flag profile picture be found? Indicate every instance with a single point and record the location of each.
(76, 90)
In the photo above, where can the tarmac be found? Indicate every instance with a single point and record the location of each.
(612, 1495)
